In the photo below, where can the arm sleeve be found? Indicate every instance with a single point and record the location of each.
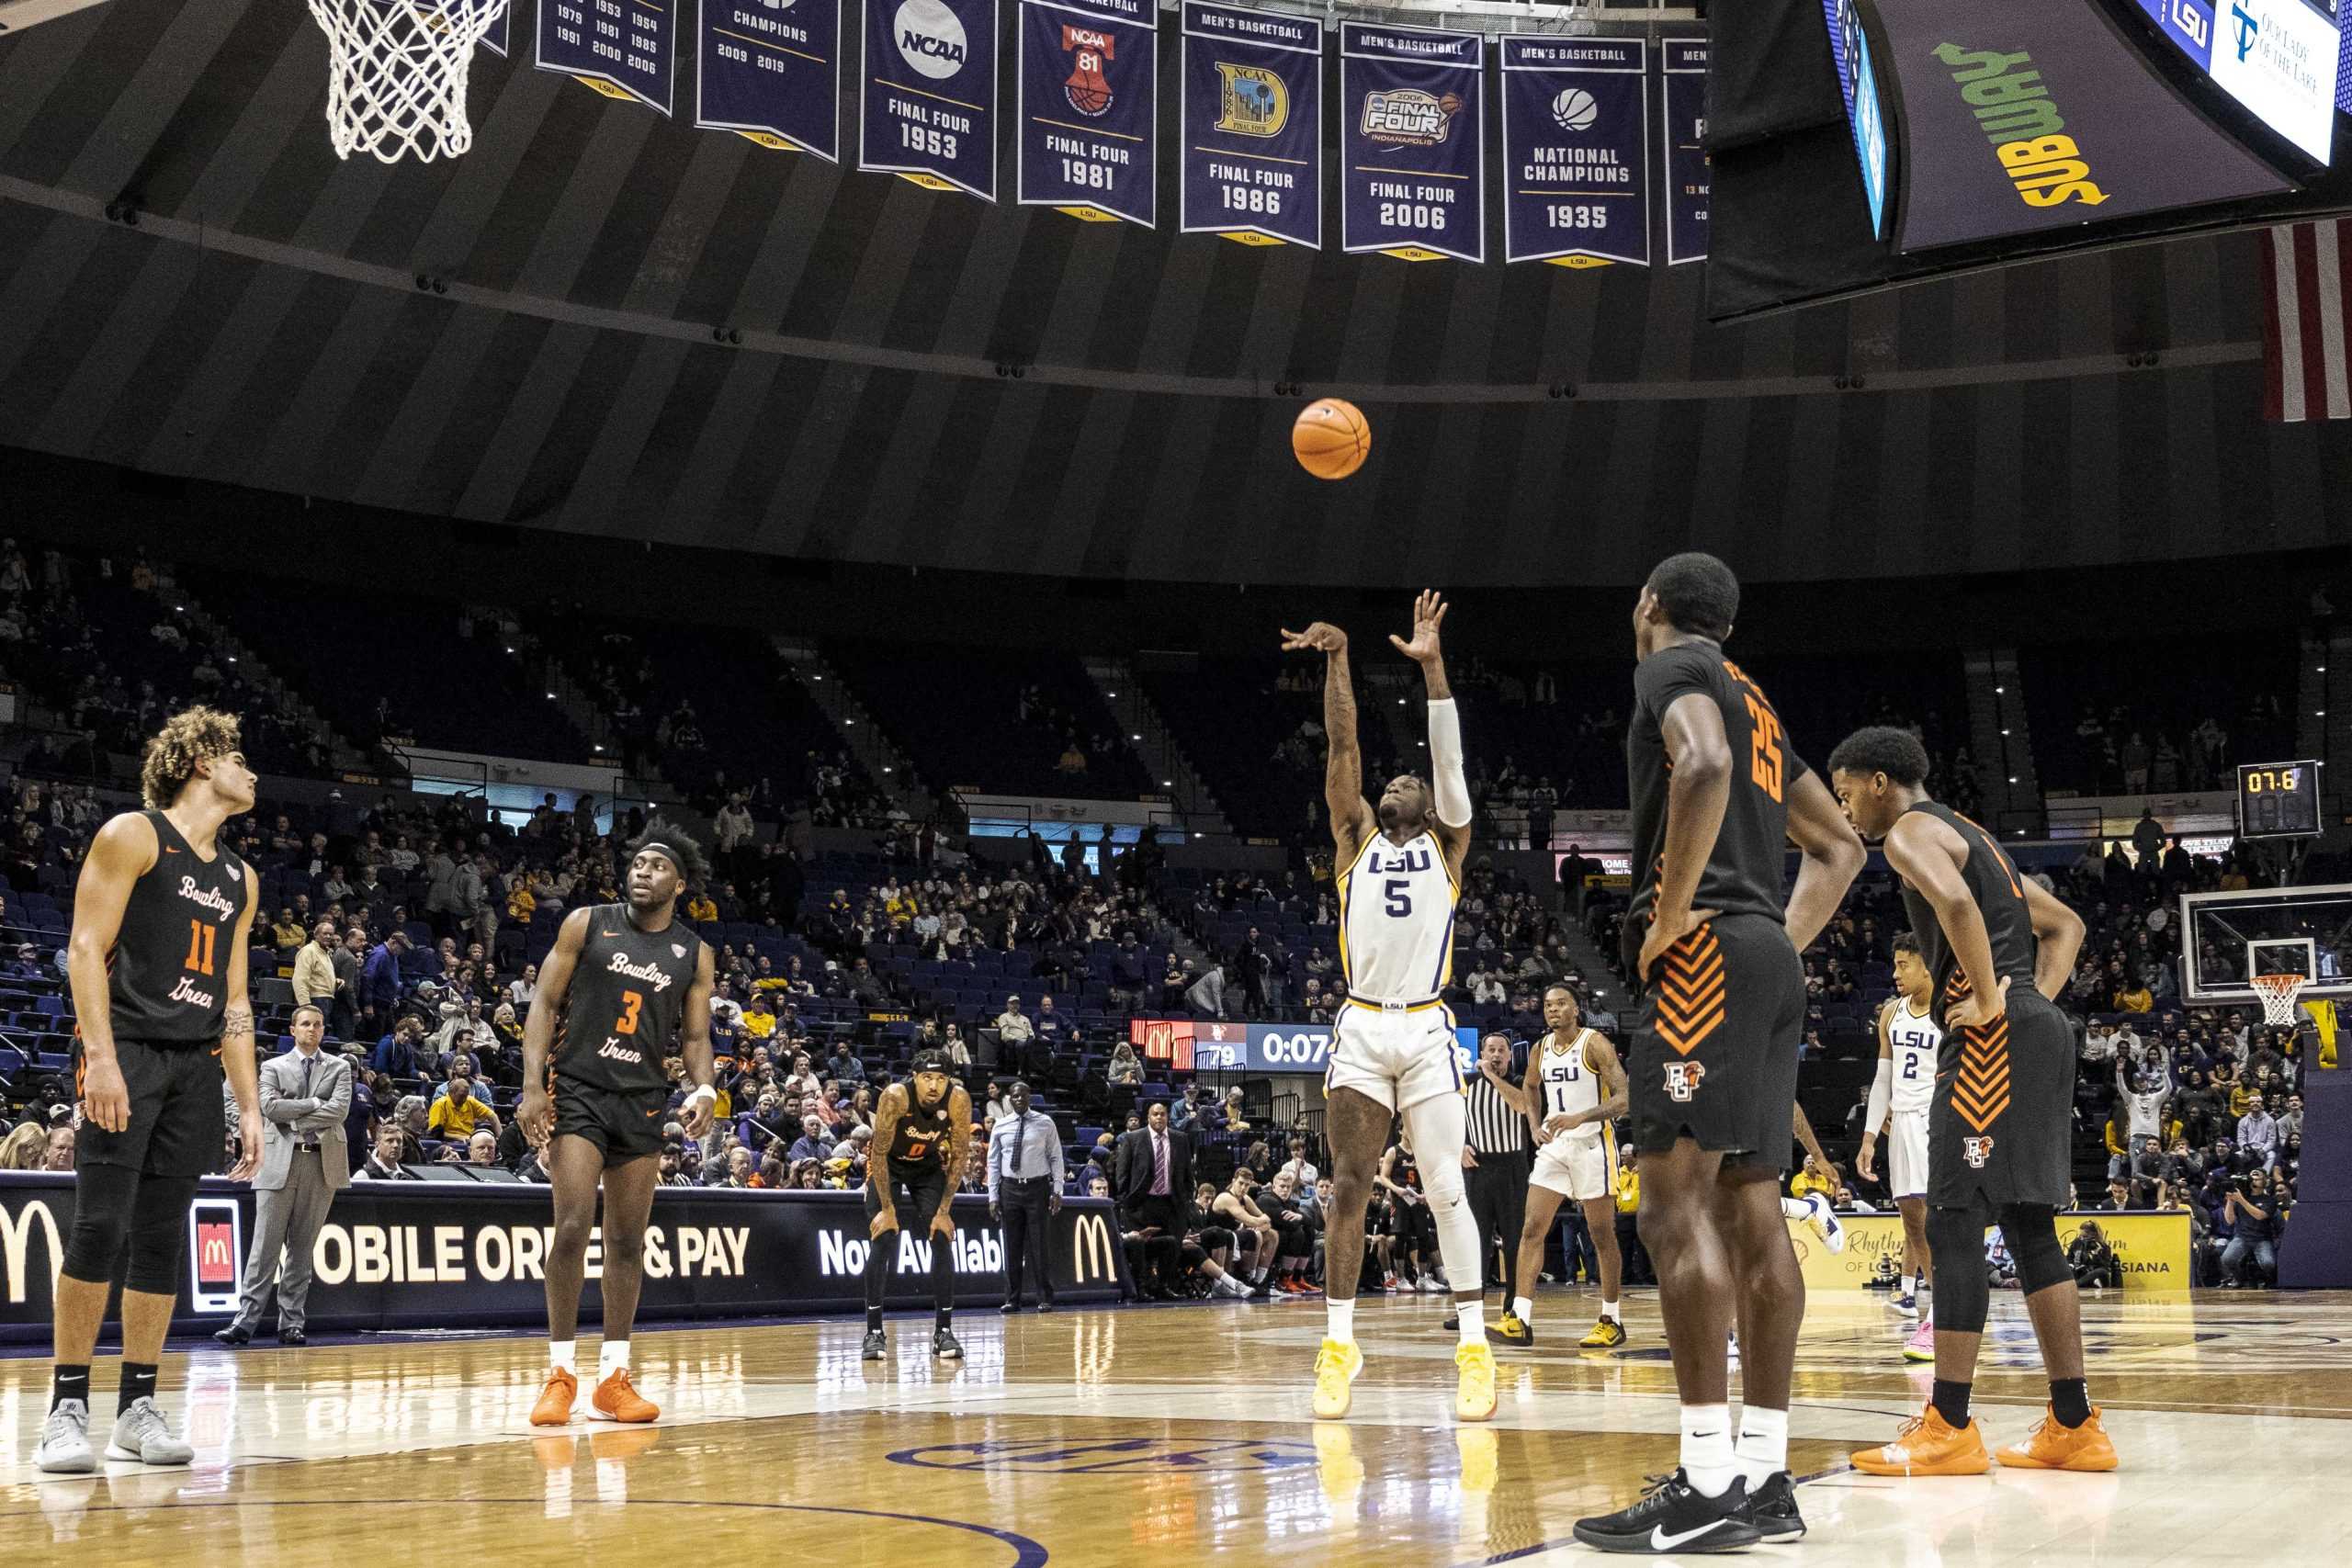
(1881, 1096)
(1445, 764)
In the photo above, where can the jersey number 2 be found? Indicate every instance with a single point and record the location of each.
(1399, 896)
(630, 1002)
(200, 938)
(1764, 763)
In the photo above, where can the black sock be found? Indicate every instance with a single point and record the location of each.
(873, 1320)
(880, 1253)
(2070, 1400)
(69, 1382)
(1951, 1400)
(138, 1383)
(942, 1278)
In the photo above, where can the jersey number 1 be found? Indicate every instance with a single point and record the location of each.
(200, 938)
(630, 1002)
(1764, 747)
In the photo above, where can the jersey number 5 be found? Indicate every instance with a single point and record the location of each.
(200, 937)
(630, 1002)
(1764, 747)
(1399, 898)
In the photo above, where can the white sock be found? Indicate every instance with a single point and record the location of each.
(1763, 1447)
(1474, 1321)
(1796, 1208)
(1339, 1318)
(1522, 1309)
(564, 1353)
(612, 1356)
(1707, 1452)
(1609, 1311)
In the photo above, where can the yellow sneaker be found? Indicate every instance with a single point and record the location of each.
(1335, 1370)
(1607, 1335)
(1512, 1330)
(2053, 1446)
(1474, 1394)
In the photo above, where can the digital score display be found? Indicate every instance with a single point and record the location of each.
(2280, 58)
(2277, 799)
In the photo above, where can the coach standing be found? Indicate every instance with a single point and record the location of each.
(1024, 1191)
(1495, 1162)
(305, 1095)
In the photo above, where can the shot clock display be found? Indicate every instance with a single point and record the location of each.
(2277, 799)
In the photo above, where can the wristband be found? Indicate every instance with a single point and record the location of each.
(705, 1093)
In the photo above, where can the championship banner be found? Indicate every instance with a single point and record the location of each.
(494, 38)
(460, 1253)
(1250, 126)
(1089, 89)
(1575, 150)
(621, 47)
(768, 73)
(1684, 105)
(1412, 143)
(927, 108)
(2153, 1249)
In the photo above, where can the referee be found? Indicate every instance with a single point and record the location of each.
(1499, 1166)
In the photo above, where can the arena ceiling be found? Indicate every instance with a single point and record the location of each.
(262, 324)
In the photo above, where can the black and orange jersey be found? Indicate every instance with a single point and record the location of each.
(626, 1002)
(1746, 872)
(922, 1135)
(167, 975)
(1998, 889)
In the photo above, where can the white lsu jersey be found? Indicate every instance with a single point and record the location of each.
(1569, 1083)
(1397, 921)
(1913, 1041)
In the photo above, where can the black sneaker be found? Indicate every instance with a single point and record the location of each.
(1772, 1508)
(944, 1345)
(876, 1348)
(1672, 1517)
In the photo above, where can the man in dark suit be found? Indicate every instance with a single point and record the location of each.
(1151, 1177)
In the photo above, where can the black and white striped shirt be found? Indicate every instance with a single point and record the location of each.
(1496, 1127)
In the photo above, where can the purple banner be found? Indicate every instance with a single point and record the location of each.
(927, 105)
(1250, 126)
(621, 47)
(1683, 104)
(1089, 91)
(1412, 143)
(2025, 119)
(1575, 150)
(493, 39)
(769, 72)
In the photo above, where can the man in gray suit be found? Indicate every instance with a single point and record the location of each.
(305, 1094)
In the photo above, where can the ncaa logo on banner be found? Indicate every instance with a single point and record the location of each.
(929, 37)
(1088, 89)
(1407, 117)
(1093, 1254)
(1253, 101)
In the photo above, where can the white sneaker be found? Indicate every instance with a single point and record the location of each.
(142, 1433)
(1823, 1220)
(1229, 1286)
(65, 1441)
(1429, 1286)
(1907, 1306)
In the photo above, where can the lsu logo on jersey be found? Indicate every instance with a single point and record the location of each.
(1251, 101)
(1682, 1079)
(1976, 1151)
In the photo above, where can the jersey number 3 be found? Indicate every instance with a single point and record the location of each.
(1764, 763)
(630, 1002)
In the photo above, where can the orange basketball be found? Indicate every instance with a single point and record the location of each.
(1331, 438)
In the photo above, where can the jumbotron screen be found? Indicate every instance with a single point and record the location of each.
(2282, 60)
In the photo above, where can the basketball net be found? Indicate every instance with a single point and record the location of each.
(2278, 994)
(396, 74)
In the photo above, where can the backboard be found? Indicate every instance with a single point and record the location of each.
(2227, 936)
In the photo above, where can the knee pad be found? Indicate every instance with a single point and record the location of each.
(103, 1198)
(2032, 1231)
(158, 1232)
(1442, 1185)
(1956, 1242)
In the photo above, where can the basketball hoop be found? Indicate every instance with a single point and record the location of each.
(2278, 993)
(396, 74)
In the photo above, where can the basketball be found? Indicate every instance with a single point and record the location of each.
(1574, 109)
(1331, 438)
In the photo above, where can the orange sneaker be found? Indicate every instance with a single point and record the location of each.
(1930, 1444)
(2053, 1446)
(554, 1408)
(615, 1400)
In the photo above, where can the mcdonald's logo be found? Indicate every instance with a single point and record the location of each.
(16, 1232)
(1094, 1251)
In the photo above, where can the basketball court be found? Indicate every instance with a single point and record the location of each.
(1095, 1437)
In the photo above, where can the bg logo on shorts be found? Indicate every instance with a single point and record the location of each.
(1976, 1151)
(1682, 1079)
